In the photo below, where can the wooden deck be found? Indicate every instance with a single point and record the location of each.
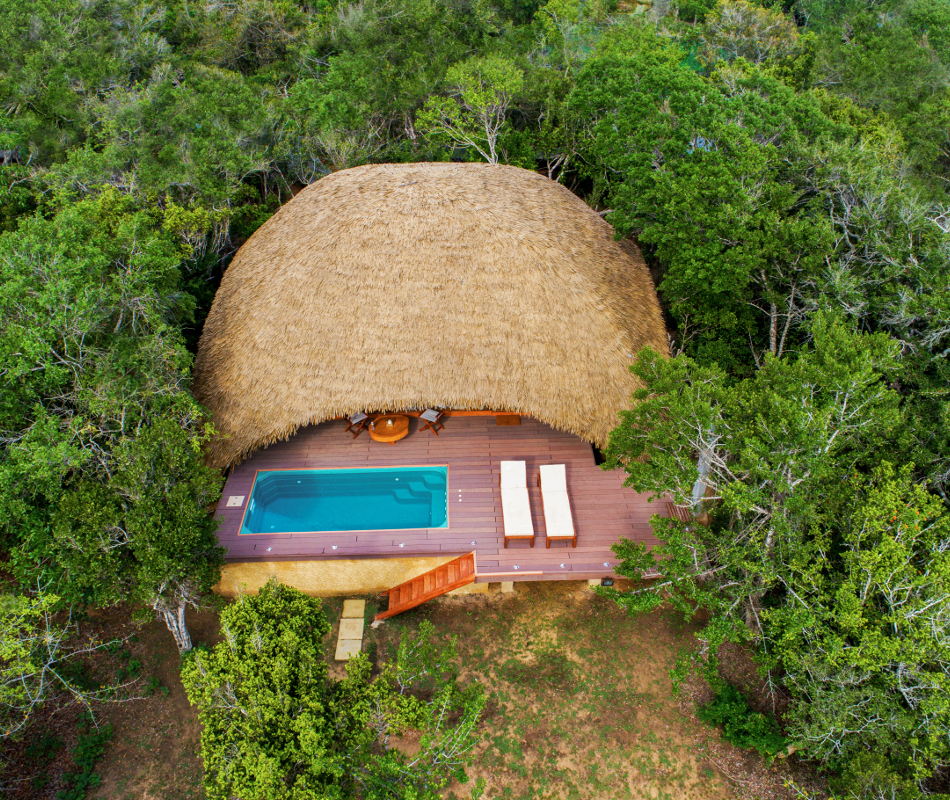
(472, 446)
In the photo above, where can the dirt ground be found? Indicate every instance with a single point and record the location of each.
(154, 750)
(580, 705)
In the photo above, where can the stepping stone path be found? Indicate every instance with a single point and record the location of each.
(350, 640)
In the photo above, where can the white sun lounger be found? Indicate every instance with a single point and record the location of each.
(558, 520)
(515, 508)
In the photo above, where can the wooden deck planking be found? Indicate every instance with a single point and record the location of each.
(473, 448)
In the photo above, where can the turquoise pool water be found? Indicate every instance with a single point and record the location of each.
(390, 498)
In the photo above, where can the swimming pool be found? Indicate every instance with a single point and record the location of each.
(385, 498)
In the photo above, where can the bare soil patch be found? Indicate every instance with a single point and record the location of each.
(581, 702)
(155, 753)
(154, 750)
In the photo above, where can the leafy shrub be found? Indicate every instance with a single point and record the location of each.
(155, 685)
(278, 725)
(79, 674)
(132, 668)
(741, 725)
(89, 749)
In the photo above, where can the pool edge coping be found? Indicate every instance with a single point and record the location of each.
(257, 472)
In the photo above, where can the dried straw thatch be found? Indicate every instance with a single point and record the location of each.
(394, 287)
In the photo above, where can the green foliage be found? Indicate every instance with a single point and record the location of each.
(155, 685)
(873, 775)
(740, 29)
(20, 671)
(42, 751)
(569, 30)
(694, 10)
(253, 36)
(44, 748)
(277, 726)
(785, 176)
(330, 126)
(392, 55)
(199, 134)
(89, 749)
(742, 726)
(896, 282)
(42, 58)
(166, 490)
(709, 172)
(771, 447)
(864, 632)
(131, 667)
(101, 479)
(894, 62)
(831, 563)
(794, 424)
(474, 113)
(41, 657)
(262, 697)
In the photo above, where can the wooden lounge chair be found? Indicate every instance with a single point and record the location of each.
(432, 419)
(558, 519)
(516, 510)
(357, 423)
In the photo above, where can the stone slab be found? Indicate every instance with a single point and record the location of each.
(593, 582)
(351, 628)
(507, 586)
(347, 648)
(353, 609)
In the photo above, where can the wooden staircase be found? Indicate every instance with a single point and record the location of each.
(430, 584)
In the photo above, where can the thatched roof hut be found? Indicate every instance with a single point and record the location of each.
(392, 287)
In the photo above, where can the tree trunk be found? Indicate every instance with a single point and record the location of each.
(699, 487)
(773, 329)
(174, 618)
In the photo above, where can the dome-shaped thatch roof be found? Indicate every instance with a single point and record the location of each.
(394, 287)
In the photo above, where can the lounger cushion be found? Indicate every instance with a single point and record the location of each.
(516, 511)
(553, 478)
(557, 514)
(513, 475)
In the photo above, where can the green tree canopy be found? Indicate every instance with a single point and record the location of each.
(817, 552)
(708, 172)
(474, 113)
(276, 725)
(101, 483)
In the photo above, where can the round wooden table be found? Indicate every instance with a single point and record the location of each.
(390, 429)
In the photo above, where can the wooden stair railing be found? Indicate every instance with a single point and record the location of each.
(681, 513)
(433, 583)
